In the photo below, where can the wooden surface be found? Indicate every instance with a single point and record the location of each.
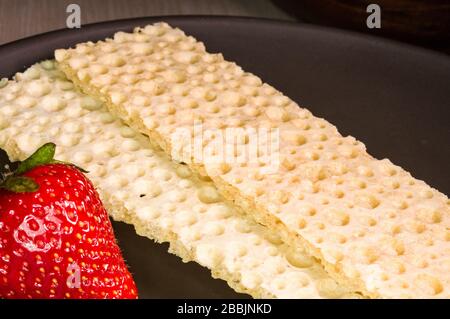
(419, 22)
(22, 18)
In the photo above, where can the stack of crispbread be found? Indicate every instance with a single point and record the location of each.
(373, 226)
(140, 185)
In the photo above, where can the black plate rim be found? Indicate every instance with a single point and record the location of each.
(10, 47)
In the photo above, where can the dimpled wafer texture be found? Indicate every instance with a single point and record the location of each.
(375, 228)
(141, 186)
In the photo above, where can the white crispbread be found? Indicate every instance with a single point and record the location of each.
(141, 186)
(375, 228)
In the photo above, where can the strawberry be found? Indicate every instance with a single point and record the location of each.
(56, 240)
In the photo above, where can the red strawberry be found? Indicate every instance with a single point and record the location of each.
(56, 240)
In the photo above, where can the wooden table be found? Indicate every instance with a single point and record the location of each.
(23, 18)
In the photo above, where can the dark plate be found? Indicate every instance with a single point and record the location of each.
(393, 97)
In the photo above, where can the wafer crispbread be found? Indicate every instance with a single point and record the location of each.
(141, 186)
(375, 228)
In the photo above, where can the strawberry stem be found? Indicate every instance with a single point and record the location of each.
(42, 156)
(20, 184)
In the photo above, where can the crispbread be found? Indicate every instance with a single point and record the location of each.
(375, 228)
(140, 185)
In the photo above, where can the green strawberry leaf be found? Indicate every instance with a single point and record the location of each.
(43, 155)
(19, 184)
(12, 179)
